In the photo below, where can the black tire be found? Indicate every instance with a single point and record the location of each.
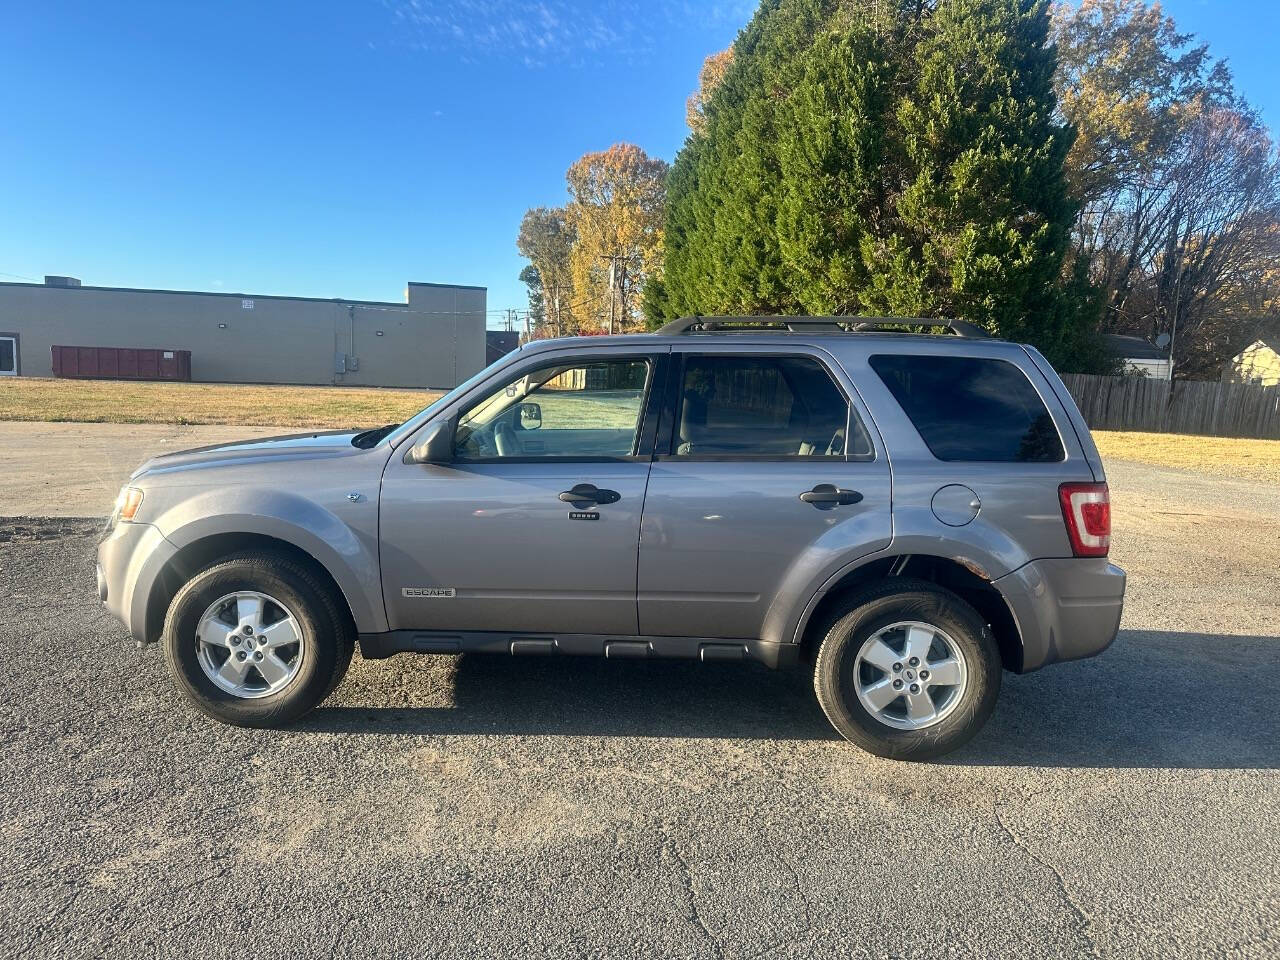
(870, 611)
(329, 640)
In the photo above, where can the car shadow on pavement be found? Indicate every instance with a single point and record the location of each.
(583, 696)
(1155, 699)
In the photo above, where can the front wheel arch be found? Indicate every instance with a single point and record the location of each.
(202, 553)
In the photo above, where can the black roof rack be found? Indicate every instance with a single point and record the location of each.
(697, 324)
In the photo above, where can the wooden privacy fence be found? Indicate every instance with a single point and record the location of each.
(1205, 407)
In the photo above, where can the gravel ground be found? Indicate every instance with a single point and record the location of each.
(1125, 806)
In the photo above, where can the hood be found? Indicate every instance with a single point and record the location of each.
(298, 446)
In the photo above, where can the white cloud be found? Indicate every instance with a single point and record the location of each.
(542, 32)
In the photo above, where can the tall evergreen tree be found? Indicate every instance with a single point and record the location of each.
(983, 224)
(882, 158)
(830, 152)
(722, 252)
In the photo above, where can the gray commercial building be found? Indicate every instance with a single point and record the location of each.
(435, 338)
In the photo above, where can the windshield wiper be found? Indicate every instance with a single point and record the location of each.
(370, 438)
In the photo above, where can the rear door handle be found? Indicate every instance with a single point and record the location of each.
(829, 495)
(585, 494)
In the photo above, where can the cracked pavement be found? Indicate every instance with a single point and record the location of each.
(1119, 807)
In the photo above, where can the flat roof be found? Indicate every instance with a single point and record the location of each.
(450, 286)
(244, 296)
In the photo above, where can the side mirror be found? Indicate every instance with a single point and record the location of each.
(436, 445)
(530, 416)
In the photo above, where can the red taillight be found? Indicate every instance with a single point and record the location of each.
(1086, 509)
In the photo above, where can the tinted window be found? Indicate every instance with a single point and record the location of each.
(968, 408)
(567, 410)
(763, 407)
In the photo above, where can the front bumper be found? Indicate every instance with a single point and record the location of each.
(131, 558)
(1065, 609)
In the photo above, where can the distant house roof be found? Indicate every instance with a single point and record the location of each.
(1132, 348)
(1270, 343)
(76, 287)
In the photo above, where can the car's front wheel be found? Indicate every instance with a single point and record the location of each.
(256, 640)
(909, 671)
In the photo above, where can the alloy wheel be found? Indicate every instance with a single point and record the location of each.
(249, 644)
(910, 675)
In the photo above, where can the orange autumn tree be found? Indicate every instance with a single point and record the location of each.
(709, 77)
(617, 199)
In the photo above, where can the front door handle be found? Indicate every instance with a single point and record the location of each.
(826, 495)
(585, 494)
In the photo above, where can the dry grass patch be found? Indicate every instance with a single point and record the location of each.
(1220, 456)
(116, 401)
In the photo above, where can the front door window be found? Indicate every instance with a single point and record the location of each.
(580, 411)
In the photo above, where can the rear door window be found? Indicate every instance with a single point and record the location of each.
(741, 407)
(972, 408)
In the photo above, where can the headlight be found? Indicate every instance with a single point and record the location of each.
(127, 504)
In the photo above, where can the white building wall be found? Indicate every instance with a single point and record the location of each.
(436, 340)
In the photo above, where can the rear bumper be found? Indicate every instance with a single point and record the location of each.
(130, 560)
(1065, 609)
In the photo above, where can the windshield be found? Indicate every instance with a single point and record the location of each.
(396, 436)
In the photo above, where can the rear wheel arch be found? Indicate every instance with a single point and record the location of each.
(206, 551)
(945, 572)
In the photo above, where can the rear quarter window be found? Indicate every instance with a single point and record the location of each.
(972, 408)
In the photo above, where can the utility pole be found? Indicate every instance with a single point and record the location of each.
(1177, 306)
(617, 286)
(623, 315)
(612, 292)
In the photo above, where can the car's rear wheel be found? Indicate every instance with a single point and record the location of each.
(257, 640)
(909, 671)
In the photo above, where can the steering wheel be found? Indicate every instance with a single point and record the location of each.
(505, 437)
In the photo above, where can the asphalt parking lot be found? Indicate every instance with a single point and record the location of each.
(1125, 806)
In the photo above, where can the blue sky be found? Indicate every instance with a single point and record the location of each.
(340, 149)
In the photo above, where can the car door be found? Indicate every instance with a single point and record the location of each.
(765, 475)
(533, 526)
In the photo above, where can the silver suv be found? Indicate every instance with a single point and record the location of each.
(906, 514)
